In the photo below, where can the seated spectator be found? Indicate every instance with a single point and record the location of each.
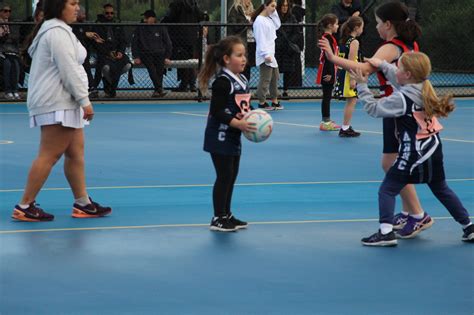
(185, 39)
(111, 59)
(151, 45)
(9, 56)
(87, 38)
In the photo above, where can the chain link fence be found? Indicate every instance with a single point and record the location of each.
(128, 78)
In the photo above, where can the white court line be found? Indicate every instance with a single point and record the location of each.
(315, 126)
(346, 182)
(156, 226)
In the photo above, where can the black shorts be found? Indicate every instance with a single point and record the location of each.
(390, 140)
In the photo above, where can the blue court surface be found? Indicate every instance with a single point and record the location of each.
(309, 196)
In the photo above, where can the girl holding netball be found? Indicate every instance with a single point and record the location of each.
(399, 34)
(415, 108)
(229, 102)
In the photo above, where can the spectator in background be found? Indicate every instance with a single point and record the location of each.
(87, 38)
(288, 46)
(241, 13)
(111, 59)
(297, 10)
(9, 55)
(345, 9)
(185, 39)
(38, 16)
(25, 31)
(151, 45)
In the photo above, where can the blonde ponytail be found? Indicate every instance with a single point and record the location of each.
(433, 105)
(419, 65)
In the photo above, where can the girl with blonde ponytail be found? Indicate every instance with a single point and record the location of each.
(415, 107)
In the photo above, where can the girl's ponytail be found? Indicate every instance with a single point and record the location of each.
(433, 105)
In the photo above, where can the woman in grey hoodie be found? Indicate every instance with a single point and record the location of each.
(58, 102)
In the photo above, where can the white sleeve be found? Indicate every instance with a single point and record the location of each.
(64, 55)
(261, 38)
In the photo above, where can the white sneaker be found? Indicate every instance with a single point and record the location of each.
(9, 96)
(17, 96)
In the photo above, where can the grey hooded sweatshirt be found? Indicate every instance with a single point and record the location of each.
(57, 78)
(393, 105)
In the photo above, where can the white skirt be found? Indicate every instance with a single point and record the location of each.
(72, 118)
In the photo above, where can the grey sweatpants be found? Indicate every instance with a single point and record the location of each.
(268, 81)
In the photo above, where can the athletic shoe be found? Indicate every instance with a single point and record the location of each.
(159, 93)
(9, 96)
(378, 239)
(31, 214)
(266, 106)
(415, 226)
(277, 106)
(349, 133)
(16, 96)
(222, 224)
(329, 126)
(238, 223)
(468, 235)
(92, 210)
(399, 221)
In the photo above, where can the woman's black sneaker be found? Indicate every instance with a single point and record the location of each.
(468, 235)
(265, 106)
(238, 223)
(92, 210)
(379, 239)
(277, 106)
(348, 133)
(31, 214)
(222, 224)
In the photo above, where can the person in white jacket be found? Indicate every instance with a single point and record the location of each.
(58, 102)
(266, 23)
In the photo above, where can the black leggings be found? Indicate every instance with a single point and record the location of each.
(326, 103)
(227, 168)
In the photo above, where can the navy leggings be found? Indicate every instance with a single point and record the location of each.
(390, 188)
(227, 168)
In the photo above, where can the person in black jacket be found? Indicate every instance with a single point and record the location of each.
(297, 10)
(185, 38)
(9, 55)
(241, 13)
(111, 59)
(87, 38)
(345, 9)
(151, 45)
(288, 46)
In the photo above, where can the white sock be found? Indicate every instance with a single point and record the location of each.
(465, 226)
(23, 206)
(83, 201)
(404, 213)
(345, 127)
(386, 228)
(418, 216)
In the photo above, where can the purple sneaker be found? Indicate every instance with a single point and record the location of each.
(399, 221)
(415, 226)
